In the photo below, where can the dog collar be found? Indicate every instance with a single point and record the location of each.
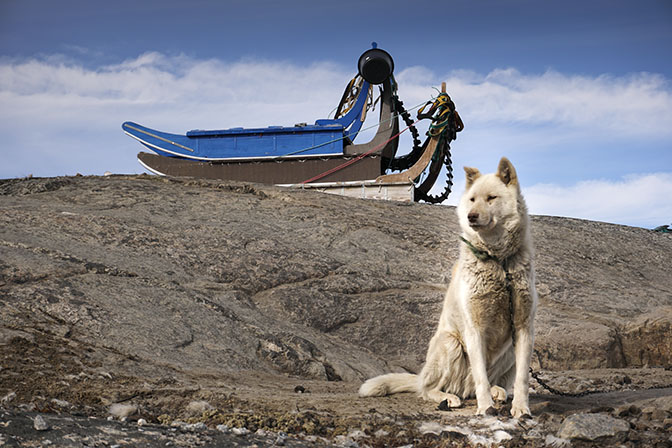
(481, 254)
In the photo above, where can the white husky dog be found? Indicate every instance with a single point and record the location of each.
(491, 295)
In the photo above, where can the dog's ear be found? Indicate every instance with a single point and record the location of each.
(472, 175)
(506, 172)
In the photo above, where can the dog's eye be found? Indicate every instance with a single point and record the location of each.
(491, 198)
(472, 199)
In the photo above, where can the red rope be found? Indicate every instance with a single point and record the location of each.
(358, 158)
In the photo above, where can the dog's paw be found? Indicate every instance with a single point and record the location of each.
(451, 401)
(445, 399)
(485, 402)
(485, 406)
(498, 393)
(490, 410)
(519, 410)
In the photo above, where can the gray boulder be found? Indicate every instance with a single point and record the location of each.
(593, 427)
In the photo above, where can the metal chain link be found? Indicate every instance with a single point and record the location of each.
(535, 375)
(555, 391)
(406, 161)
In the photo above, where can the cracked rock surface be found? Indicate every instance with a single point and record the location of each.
(156, 292)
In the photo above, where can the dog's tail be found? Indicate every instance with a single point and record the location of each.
(392, 383)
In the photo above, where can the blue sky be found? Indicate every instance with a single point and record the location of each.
(577, 94)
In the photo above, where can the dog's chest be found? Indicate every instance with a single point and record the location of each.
(488, 299)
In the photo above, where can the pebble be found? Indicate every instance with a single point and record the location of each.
(9, 397)
(142, 422)
(628, 410)
(345, 442)
(198, 407)
(667, 424)
(122, 411)
(654, 413)
(357, 434)
(61, 403)
(240, 431)
(200, 426)
(281, 439)
(40, 424)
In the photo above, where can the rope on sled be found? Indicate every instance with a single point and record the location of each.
(358, 158)
(442, 108)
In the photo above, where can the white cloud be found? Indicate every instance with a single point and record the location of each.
(638, 200)
(238, 92)
(634, 105)
(207, 92)
(58, 116)
(641, 200)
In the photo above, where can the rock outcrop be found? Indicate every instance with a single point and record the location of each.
(187, 312)
(222, 277)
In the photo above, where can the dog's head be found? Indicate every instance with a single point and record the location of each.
(490, 201)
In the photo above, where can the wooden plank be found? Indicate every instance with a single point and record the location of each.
(395, 191)
(290, 171)
(416, 170)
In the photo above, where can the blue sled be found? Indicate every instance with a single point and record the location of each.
(324, 138)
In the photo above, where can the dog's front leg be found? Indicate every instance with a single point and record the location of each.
(525, 299)
(476, 352)
(521, 384)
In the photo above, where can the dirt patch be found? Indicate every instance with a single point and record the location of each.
(62, 380)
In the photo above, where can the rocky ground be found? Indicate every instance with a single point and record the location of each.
(142, 311)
